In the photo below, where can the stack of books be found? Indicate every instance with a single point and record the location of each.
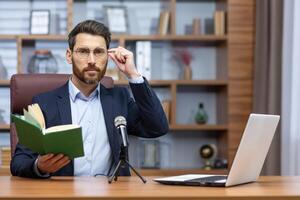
(220, 23)
(5, 156)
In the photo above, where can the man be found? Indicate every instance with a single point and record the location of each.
(82, 100)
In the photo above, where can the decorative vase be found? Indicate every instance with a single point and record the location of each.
(201, 116)
(42, 62)
(187, 72)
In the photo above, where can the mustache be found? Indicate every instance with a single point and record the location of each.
(90, 68)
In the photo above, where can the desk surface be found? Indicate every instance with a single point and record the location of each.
(274, 187)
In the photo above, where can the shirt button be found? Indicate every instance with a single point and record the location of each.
(89, 139)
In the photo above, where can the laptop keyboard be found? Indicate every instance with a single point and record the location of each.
(209, 179)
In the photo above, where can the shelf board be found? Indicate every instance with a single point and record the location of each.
(204, 38)
(4, 82)
(198, 127)
(180, 82)
(43, 37)
(4, 127)
(162, 82)
(8, 37)
(174, 172)
(152, 82)
(201, 82)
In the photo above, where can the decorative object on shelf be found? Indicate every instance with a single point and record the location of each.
(208, 152)
(42, 62)
(220, 163)
(196, 30)
(3, 71)
(201, 116)
(166, 104)
(188, 29)
(116, 18)
(164, 21)
(149, 153)
(40, 22)
(2, 121)
(208, 26)
(184, 58)
(219, 23)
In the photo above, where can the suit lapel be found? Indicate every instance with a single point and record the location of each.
(108, 112)
(63, 103)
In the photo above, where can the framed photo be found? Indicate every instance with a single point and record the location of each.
(116, 18)
(40, 22)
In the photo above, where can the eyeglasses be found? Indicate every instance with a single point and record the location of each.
(84, 53)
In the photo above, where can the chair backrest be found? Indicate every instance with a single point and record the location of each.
(24, 86)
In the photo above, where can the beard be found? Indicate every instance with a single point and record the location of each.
(85, 75)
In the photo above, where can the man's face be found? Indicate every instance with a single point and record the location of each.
(89, 58)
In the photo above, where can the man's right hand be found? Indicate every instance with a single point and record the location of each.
(51, 163)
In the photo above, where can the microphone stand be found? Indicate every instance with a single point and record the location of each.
(123, 160)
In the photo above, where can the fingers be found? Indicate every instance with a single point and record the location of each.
(51, 163)
(46, 157)
(120, 54)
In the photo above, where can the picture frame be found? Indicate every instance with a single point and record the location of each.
(39, 22)
(116, 19)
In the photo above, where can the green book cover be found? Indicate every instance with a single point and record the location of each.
(65, 139)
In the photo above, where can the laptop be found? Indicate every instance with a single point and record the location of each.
(248, 160)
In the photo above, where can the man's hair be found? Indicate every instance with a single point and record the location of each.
(91, 27)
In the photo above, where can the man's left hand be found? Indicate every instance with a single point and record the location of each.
(124, 60)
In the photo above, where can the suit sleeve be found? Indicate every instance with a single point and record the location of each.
(22, 163)
(146, 117)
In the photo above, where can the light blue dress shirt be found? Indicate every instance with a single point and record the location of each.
(87, 112)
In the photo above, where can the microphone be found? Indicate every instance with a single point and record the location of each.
(120, 124)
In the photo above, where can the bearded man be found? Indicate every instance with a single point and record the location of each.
(83, 100)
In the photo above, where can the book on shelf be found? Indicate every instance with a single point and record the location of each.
(166, 104)
(32, 133)
(219, 23)
(164, 22)
(143, 58)
(5, 156)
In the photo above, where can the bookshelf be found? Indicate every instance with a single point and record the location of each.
(233, 59)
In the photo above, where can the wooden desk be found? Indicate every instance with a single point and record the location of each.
(133, 188)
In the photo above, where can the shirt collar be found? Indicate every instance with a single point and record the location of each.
(76, 94)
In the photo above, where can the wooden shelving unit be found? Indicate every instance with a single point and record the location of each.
(208, 127)
(234, 77)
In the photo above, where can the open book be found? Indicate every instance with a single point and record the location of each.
(32, 133)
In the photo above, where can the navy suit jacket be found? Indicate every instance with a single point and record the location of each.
(145, 118)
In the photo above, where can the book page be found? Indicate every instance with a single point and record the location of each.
(28, 117)
(60, 128)
(37, 113)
